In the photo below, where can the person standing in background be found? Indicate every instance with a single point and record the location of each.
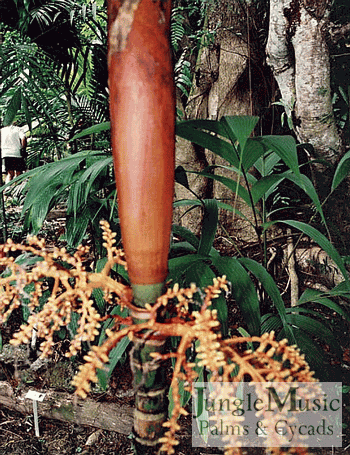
(13, 150)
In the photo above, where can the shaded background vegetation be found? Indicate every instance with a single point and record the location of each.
(53, 78)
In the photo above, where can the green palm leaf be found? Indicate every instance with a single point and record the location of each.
(243, 290)
(322, 241)
(210, 223)
(313, 295)
(239, 128)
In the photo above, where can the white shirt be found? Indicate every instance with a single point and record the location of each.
(11, 137)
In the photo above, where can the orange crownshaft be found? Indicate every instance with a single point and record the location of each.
(142, 107)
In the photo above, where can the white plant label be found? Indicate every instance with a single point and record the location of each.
(36, 396)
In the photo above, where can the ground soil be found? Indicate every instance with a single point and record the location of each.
(61, 438)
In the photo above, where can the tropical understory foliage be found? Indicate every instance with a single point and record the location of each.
(253, 287)
(54, 92)
(54, 84)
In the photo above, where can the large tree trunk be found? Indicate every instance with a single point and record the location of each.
(299, 56)
(298, 53)
(232, 70)
(229, 81)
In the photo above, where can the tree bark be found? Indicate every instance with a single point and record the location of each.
(298, 54)
(229, 81)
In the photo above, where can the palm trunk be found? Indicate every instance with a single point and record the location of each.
(142, 105)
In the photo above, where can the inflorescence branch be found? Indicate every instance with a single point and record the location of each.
(71, 292)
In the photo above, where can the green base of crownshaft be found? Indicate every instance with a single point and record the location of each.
(146, 293)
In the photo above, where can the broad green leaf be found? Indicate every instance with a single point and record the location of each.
(313, 295)
(13, 107)
(285, 147)
(304, 311)
(102, 378)
(316, 329)
(26, 260)
(26, 112)
(49, 183)
(117, 353)
(75, 201)
(186, 202)
(76, 226)
(114, 357)
(220, 305)
(268, 283)
(180, 266)
(208, 141)
(212, 126)
(265, 317)
(243, 290)
(321, 240)
(97, 295)
(265, 186)
(266, 163)
(342, 170)
(50, 176)
(231, 184)
(93, 172)
(273, 323)
(186, 234)
(239, 128)
(38, 211)
(201, 274)
(221, 205)
(253, 151)
(341, 290)
(305, 184)
(109, 323)
(74, 324)
(120, 269)
(250, 178)
(228, 207)
(209, 226)
(314, 354)
(180, 247)
(105, 126)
